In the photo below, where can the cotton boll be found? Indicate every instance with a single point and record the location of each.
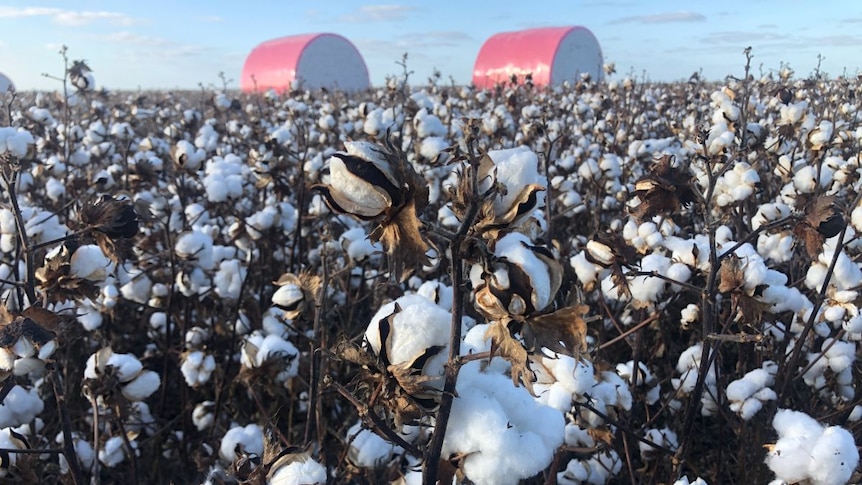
(229, 278)
(839, 354)
(419, 325)
(197, 367)
(748, 394)
(597, 470)
(503, 434)
(249, 438)
(686, 481)
(834, 457)
(27, 366)
(20, 406)
(202, 415)
(90, 263)
(648, 289)
(300, 472)
(516, 168)
(142, 386)
(807, 451)
(664, 438)
(112, 452)
(367, 450)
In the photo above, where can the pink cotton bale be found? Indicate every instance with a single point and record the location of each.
(314, 60)
(552, 55)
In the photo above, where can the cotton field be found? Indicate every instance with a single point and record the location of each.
(600, 282)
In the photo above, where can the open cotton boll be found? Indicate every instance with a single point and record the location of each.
(648, 289)
(198, 246)
(112, 452)
(142, 386)
(88, 262)
(20, 406)
(807, 451)
(516, 168)
(127, 365)
(512, 247)
(197, 367)
(686, 481)
(249, 438)
(432, 146)
(664, 438)
(419, 325)
(229, 278)
(367, 450)
(300, 472)
(203, 416)
(501, 431)
(597, 470)
(834, 457)
(748, 394)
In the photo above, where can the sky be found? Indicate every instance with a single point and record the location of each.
(182, 44)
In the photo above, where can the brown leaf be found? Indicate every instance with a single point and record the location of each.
(601, 435)
(115, 218)
(810, 237)
(752, 309)
(506, 346)
(823, 215)
(403, 241)
(663, 191)
(731, 275)
(563, 331)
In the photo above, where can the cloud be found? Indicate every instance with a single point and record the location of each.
(137, 47)
(744, 37)
(661, 18)
(377, 13)
(70, 18)
(416, 42)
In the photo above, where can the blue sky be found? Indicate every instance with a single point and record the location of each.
(179, 44)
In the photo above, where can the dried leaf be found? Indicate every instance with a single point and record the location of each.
(114, 218)
(752, 309)
(403, 241)
(731, 275)
(601, 435)
(24, 327)
(506, 346)
(825, 216)
(409, 374)
(663, 191)
(563, 331)
(810, 237)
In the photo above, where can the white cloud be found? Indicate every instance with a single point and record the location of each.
(70, 18)
(17, 12)
(372, 13)
(661, 18)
